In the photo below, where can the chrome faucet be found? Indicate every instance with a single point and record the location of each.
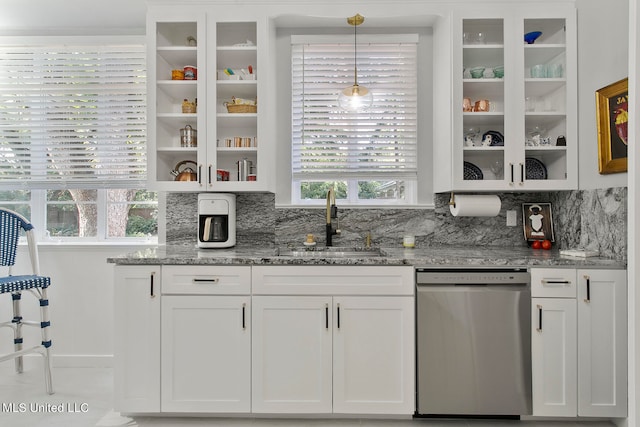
(332, 213)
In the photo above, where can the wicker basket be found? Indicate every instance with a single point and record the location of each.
(241, 108)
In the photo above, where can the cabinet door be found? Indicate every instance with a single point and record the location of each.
(602, 343)
(481, 102)
(206, 350)
(137, 339)
(291, 354)
(553, 356)
(549, 85)
(176, 40)
(373, 370)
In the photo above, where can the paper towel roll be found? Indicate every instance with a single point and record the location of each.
(475, 205)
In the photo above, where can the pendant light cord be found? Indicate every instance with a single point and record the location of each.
(355, 54)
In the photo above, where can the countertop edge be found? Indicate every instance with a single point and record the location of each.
(424, 257)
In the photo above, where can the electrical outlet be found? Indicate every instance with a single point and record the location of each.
(511, 218)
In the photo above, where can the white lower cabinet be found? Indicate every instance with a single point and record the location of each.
(206, 353)
(202, 340)
(206, 339)
(137, 339)
(553, 365)
(332, 353)
(373, 355)
(292, 350)
(579, 342)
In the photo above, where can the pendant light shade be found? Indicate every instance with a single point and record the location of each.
(355, 97)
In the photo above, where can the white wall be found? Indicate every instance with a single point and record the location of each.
(80, 303)
(603, 42)
(71, 17)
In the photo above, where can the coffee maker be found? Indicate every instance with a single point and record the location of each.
(216, 220)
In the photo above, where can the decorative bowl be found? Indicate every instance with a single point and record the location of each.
(498, 72)
(477, 72)
(531, 37)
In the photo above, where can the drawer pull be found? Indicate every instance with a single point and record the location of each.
(211, 280)
(555, 282)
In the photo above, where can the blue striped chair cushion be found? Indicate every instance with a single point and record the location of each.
(21, 283)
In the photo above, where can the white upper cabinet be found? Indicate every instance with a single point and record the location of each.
(512, 104)
(225, 152)
(175, 42)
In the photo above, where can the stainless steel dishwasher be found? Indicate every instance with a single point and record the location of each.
(473, 342)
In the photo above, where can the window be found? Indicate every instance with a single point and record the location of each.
(73, 136)
(369, 157)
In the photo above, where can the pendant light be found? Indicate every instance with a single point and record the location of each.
(356, 97)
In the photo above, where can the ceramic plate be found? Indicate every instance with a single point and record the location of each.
(535, 169)
(472, 172)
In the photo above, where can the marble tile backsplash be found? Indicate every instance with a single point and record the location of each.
(592, 219)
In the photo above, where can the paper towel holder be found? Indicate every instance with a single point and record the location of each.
(452, 200)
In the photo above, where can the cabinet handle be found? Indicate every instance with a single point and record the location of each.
(521, 174)
(588, 298)
(512, 178)
(210, 280)
(555, 282)
(199, 174)
(209, 172)
(326, 316)
(338, 315)
(244, 306)
(539, 329)
(151, 290)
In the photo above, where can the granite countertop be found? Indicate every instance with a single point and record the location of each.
(441, 255)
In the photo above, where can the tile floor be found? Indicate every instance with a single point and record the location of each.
(84, 396)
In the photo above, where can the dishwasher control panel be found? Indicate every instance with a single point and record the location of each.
(472, 276)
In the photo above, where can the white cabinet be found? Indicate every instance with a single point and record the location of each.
(553, 363)
(206, 351)
(175, 40)
(292, 351)
(137, 339)
(579, 344)
(530, 117)
(373, 355)
(212, 41)
(319, 352)
(602, 343)
(206, 339)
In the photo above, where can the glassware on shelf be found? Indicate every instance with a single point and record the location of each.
(497, 168)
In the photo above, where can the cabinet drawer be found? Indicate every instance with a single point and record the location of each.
(332, 280)
(553, 282)
(206, 280)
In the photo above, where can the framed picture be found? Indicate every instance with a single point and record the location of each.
(612, 114)
(537, 221)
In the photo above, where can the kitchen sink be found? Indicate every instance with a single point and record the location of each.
(329, 252)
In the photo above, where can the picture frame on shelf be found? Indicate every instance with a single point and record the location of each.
(612, 118)
(537, 221)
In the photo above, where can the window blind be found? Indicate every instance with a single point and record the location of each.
(72, 116)
(380, 143)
